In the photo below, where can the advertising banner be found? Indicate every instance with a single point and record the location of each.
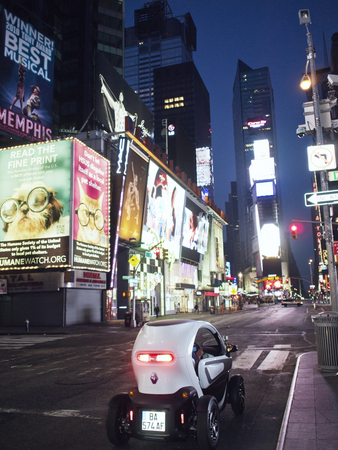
(195, 231)
(163, 211)
(91, 209)
(34, 205)
(86, 280)
(115, 100)
(26, 79)
(33, 282)
(134, 194)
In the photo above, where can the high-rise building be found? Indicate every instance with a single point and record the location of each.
(159, 67)
(257, 176)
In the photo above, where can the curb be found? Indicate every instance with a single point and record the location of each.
(285, 421)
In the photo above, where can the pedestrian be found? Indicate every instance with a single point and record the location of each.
(178, 307)
(157, 310)
(196, 308)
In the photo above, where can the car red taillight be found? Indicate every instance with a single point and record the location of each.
(155, 357)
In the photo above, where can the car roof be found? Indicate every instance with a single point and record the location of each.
(175, 335)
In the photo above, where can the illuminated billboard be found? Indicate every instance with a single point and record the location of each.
(203, 166)
(35, 189)
(38, 209)
(163, 211)
(265, 189)
(115, 100)
(91, 209)
(134, 194)
(26, 80)
(195, 231)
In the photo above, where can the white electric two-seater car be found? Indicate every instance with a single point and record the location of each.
(182, 373)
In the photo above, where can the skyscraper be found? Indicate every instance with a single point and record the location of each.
(257, 176)
(159, 67)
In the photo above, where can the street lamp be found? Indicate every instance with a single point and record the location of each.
(240, 280)
(304, 19)
(310, 263)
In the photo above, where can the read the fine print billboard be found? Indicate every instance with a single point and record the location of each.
(38, 208)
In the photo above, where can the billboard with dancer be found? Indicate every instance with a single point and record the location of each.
(163, 211)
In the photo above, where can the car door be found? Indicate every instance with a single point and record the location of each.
(213, 368)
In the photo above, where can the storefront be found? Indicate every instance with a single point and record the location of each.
(181, 282)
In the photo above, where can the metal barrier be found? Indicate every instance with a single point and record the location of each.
(326, 327)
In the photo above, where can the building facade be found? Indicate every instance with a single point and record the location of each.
(257, 175)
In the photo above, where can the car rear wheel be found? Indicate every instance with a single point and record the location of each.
(208, 425)
(237, 394)
(117, 420)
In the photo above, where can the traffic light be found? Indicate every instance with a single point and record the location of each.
(165, 253)
(294, 231)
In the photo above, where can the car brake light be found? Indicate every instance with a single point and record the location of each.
(155, 357)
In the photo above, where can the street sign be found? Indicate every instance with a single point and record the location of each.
(69, 131)
(333, 175)
(321, 198)
(127, 277)
(134, 260)
(321, 157)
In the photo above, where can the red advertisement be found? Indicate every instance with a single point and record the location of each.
(91, 193)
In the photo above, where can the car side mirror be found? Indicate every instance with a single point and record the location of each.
(231, 348)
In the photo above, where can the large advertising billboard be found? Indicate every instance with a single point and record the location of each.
(115, 100)
(134, 194)
(195, 231)
(35, 188)
(47, 190)
(163, 211)
(26, 79)
(91, 209)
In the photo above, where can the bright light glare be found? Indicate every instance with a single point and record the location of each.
(155, 357)
(164, 358)
(305, 82)
(270, 240)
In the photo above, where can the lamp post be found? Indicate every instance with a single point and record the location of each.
(240, 281)
(304, 19)
(311, 278)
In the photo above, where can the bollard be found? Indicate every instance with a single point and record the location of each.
(27, 325)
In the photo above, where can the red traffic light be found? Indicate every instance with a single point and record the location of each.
(294, 231)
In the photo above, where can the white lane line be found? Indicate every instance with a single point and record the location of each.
(58, 413)
(274, 361)
(247, 359)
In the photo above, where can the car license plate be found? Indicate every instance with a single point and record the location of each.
(153, 421)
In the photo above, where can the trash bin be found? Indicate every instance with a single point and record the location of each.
(127, 319)
(326, 328)
(212, 310)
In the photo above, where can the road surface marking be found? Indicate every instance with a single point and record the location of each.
(247, 359)
(274, 361)
(17, 342)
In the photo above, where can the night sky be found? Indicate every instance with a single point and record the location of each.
(262, 34)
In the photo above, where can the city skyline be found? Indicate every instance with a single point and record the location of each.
(268, 35)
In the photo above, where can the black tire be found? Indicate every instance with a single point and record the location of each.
(117, 419)
(208, 425)
(237, 394)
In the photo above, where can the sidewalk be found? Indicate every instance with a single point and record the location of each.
(310, 420)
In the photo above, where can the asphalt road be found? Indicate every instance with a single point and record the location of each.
(54, 389)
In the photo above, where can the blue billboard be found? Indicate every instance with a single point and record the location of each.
(26, 80)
